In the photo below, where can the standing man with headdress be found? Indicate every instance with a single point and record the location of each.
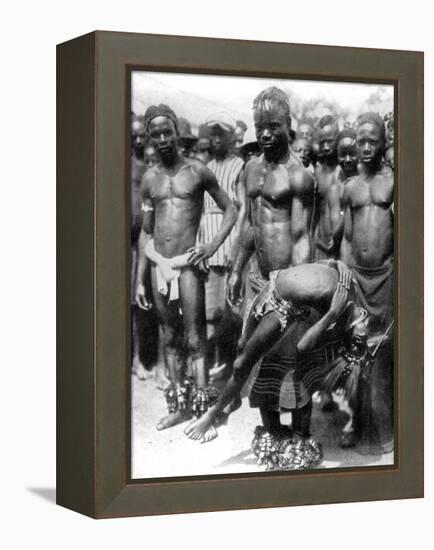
(367, 247)
(227, 168)
(173, 194)
(279, 193)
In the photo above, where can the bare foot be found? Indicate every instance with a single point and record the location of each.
(172, 419)
(201, 429)
(139, 370)
(209, 435)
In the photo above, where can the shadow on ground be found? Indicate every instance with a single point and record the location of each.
(47, 493)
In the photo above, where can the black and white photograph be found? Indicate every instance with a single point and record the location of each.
(262, 274)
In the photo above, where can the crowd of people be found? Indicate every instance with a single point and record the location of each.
(265, 268)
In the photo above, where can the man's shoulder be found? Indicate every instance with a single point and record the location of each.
(254, 163)
(194, 163)
(149, 174)
(196, 166)
(301, 179)
(386, 174)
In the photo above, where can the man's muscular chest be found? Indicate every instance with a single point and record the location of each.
(183, 185)
(375, 192)
(271, 184)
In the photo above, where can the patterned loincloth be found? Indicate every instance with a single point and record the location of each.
(269, 300)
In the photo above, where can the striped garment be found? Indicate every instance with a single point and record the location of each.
(226, 172)
(276, 385)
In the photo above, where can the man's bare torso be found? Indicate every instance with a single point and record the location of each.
(370, 200)
(326, 177)
(270, 191)
(177, 199)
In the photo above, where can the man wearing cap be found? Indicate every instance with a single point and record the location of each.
(227, 168)
(186, 140)
(279, 194)
(367, 247)
(173, 195)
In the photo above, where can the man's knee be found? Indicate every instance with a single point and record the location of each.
(195, 344)
(241, 344)
(169, 336)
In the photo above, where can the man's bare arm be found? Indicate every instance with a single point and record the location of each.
(312, 336)
(346, 250)
(301, 216)
(334, 199)
(241, 199)
(145, 235)
(246, 248)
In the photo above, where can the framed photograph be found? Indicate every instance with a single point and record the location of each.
(240, 274)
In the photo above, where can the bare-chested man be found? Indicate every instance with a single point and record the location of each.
(328, 175)
(367, 247)
(173, 194)
(279, 192)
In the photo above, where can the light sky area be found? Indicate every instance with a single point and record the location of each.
(195, 97)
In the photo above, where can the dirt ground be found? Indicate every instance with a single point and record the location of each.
(170, 453)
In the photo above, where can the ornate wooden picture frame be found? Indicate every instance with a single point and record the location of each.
(93, 282)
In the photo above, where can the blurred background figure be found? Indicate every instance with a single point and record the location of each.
(389, 122)
(149, 155)
(240, 131)
(389, 157)
(144, 324)
(347, 152)
(186, 139)
(303, 149)
(305, 131)
(223, 327)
